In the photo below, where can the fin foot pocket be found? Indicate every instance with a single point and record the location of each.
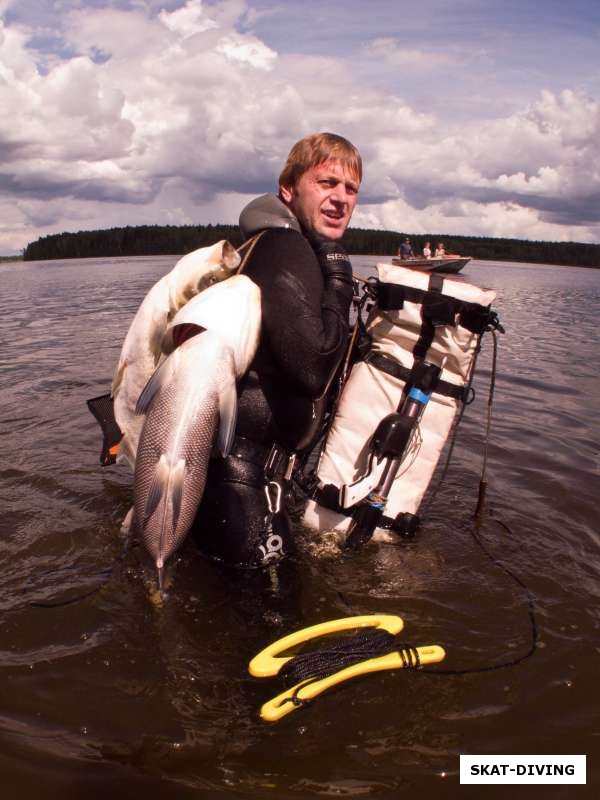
(103, 410)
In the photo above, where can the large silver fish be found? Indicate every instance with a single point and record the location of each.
(142, 349)
(190, 405)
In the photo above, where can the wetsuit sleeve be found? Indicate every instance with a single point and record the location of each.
(304, 311)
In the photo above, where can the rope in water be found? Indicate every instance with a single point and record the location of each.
(307, 668)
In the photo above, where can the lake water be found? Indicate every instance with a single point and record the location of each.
(111, 694)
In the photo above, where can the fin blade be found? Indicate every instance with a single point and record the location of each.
(127, 452)
(157, 487)
(177, 478)
(231, 257)
(159, 378)
(127, 523)
(227, 418)
(118, 377)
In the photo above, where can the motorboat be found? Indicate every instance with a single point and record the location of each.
(447, 263)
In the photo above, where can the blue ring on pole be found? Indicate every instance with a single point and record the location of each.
(419, 396)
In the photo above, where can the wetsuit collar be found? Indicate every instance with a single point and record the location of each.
(267, 211)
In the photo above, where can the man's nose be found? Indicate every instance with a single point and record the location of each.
(339, 194)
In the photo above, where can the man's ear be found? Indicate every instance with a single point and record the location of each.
(286, 193)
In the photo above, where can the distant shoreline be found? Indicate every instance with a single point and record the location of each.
(375, 256)
(158, 240)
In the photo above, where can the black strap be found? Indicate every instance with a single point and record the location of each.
(436, 283)
(438, 308)
(272, 460)
(247, 450)
(435, 312)
(390, 366)
(405, 524)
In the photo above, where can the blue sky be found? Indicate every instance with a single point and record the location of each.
(473, 117)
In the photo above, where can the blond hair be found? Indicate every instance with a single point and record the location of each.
(317, 149)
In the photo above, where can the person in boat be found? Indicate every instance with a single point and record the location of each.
(427, 250)
(440, 250)
(305, 278)
(405, 250)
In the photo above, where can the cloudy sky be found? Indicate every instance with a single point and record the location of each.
(473, 116)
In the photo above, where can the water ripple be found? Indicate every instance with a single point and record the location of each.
(163, 693)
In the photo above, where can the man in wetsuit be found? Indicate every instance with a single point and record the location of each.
(305, 279)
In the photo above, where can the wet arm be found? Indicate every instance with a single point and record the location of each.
(305, 315)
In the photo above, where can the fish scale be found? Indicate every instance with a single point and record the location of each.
(142, 349)
(181, 424)
(190, 403)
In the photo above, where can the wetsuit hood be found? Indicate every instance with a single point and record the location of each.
(267, 211)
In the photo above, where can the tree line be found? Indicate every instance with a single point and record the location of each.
(374, 242)
(140, 240)
(144, 240)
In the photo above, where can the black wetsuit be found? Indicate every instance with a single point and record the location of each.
(305, 304)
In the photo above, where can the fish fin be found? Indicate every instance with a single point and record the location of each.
(127, 452)
(178, 334)
(118, 377)
(168, 481)
(227, 419)
(173, 303)
(127, 522)
(177, 478)
(155, 341)
(230, 256)
(157, 487)
(161, 376)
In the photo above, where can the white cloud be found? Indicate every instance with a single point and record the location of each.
(130, 37)
(188, 20)
(239, 48)
(502, 219)
(185, 115)
(392, 52)
(538, 160)
(571, 116)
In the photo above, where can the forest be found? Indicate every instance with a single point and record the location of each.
(178, 239)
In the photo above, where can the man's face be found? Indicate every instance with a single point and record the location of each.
(323, 199)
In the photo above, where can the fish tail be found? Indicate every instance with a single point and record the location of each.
(127, 451)
(167, 482)
(118, 377)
